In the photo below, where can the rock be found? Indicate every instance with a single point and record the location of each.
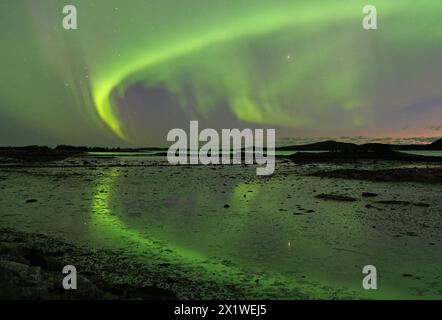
(334, 197)
(27, 275)
(421, 204)
(145, 293)
(394, 202)
(369, 194)
(13, 252)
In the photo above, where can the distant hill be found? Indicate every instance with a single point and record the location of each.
(331, 145)
(37, 153)
(437, 144)
(105, 149)
(321, 146)
(62, 151)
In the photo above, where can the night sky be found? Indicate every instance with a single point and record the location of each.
(136, 69)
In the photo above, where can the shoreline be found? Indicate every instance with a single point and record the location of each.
(31, 268)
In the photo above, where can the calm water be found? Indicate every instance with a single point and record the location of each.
(435, 153)
(228, 220)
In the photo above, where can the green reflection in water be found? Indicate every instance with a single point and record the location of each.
(107, 228)
(107, 223)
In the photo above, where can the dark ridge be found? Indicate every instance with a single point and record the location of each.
(334, 150)
(105, 149)
(321, 146)
(437, 144)
(37, 153)
(342, 146)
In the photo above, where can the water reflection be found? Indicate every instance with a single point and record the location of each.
(239, 222)
(108, 229)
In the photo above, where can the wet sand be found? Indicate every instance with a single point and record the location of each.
(426, 175)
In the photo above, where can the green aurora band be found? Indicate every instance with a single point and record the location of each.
(289, 63)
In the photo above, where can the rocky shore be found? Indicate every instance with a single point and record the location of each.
(31, 268)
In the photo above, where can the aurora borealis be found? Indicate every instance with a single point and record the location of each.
(136, 69)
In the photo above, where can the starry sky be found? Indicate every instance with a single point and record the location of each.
(136, 69)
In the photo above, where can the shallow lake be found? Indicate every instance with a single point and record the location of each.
(272, 228)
